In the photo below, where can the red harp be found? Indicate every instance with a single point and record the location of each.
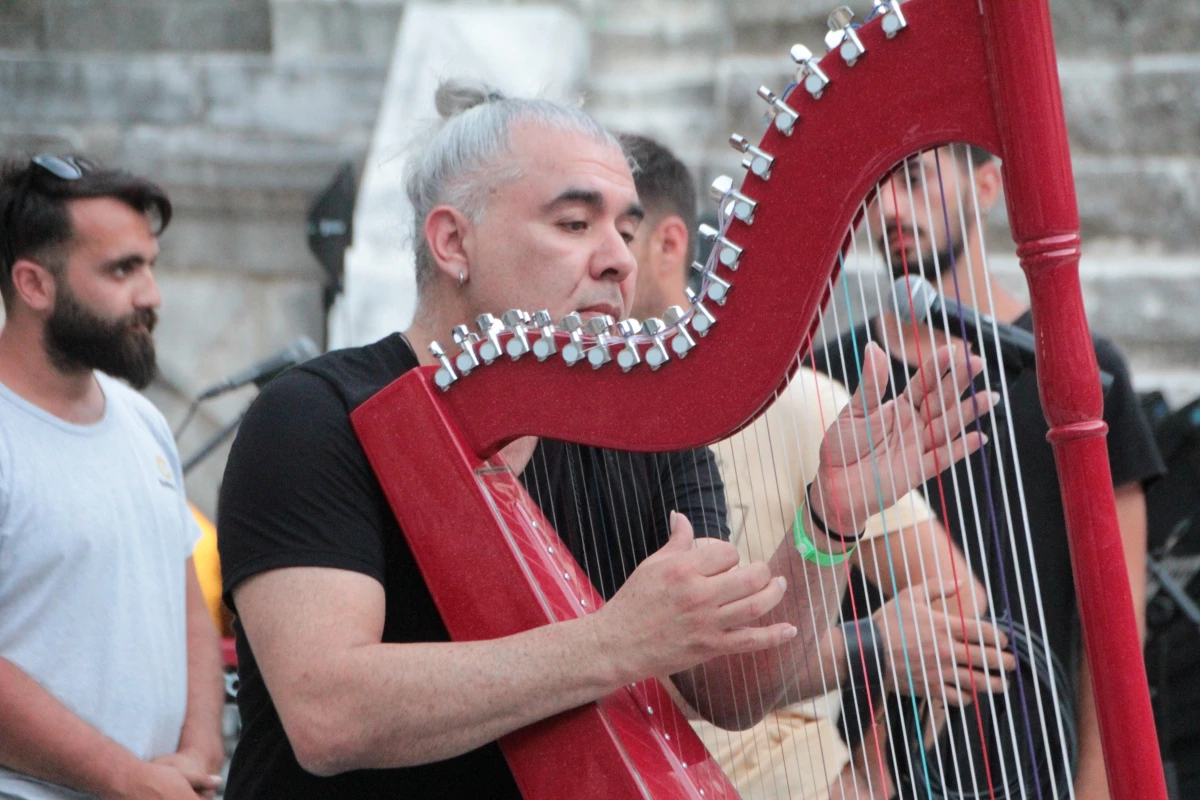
(914, 77)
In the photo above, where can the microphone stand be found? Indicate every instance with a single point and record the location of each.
(213, 443)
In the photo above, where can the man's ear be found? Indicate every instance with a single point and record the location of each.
(34, 284)
(987, 185)
(671, 240)
(446, 231)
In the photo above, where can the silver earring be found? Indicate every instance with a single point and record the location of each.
(462, 279)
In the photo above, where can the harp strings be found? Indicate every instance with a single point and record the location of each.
(763, 499)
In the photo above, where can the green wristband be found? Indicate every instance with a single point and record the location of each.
(809, 551)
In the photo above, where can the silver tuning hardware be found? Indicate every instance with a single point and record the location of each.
(572, 325)
(629, 357)
(756, 160)
(842, 36)
(784, 115)
(545, 346)
(893, 18)
(658, 354)
(682, 341)
(467, 360)
(809, 72)
(445, 374)
(728, 253)
(515, 322)
(598, 354)
(742, 206)
(702, 318)
(716, 288)
(489, 337)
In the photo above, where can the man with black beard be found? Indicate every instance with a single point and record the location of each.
(110, 679)
(921, 232)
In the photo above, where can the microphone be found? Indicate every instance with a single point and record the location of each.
(300, 350)
(1018, 348)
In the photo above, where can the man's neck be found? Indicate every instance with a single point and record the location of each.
(26, 369)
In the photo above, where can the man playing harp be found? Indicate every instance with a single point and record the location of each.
(350, 686)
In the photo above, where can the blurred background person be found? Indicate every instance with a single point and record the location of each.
(109, 670)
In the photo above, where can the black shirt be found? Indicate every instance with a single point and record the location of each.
(1132, 454)
(298, 491)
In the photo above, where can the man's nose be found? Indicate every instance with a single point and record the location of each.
(614, 260)
(147, 294)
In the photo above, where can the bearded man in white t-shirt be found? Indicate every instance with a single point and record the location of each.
(110, 680)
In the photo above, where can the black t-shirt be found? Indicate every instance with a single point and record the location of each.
(298, 491)
(1132, 454)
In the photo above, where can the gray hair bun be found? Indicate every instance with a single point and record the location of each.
(454, 97)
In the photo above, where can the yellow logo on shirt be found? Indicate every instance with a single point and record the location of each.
(164, 469)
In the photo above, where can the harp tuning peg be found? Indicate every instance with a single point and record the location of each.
(893, 17)
(445, 375)
(682, 341)
(516, 322)
(756, 160)
(785, 116)
(572, 351)
(741, 206)
(713, 285)
(843, 37)
(702, 318)
(728, 253)
(658, 354)
(629, 357)
(809, 72)
(598, 354)
(545, 346)
(489, 335)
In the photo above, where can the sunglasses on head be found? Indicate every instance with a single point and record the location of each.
(65, 168)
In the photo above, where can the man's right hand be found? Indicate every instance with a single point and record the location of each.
(155, 781)
(687, 604)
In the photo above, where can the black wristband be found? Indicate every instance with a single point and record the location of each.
(862, 694)
(846, 539)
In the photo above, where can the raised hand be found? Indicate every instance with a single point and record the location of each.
(685, 605)
(876, 452)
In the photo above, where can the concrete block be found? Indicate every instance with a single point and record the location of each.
(23, 25)
(305, 99)
(122, 26)
(86, 90)
(1141, 199)
(1147, 105)
(1120, 27)
(314, 29)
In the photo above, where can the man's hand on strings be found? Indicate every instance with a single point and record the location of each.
(685, 605)
(939, 655)
(875, 452)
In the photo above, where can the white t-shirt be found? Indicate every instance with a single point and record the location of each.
(95, 531)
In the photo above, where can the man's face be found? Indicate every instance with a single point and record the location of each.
(558, 236)
(915, 210)
(105, 296)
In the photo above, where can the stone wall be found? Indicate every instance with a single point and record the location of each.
(244, 109)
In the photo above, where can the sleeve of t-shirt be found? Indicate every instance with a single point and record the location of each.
(189, 530)
(1132, 452)
(298, 490)
(691, 478)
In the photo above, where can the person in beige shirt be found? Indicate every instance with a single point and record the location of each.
(796, 751)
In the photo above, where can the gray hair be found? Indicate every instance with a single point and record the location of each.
(462, 164)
